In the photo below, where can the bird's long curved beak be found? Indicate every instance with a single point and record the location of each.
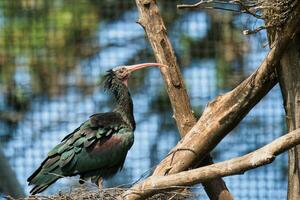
(143, 65)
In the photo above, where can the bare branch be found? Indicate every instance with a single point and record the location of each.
(156, 31)
(226, 111)
(233, 6)
(239, 165)
(151, 20)
(256, 30)
(289, 78)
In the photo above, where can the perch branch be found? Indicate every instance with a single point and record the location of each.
(151, 20)
(239, 165)
(236, 6)
(226, 111)
(156, 32)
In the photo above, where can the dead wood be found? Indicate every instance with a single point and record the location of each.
(226, 111)
(239, 165)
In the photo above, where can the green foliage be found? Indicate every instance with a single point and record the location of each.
(46, 36)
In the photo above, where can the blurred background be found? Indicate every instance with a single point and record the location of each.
(52, 57)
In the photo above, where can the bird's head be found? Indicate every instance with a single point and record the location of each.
(122, 73)
(115, 81)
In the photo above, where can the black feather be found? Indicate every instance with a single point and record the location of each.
(114, 86)
(63, 159)
(121, 94)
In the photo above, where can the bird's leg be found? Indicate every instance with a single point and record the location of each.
(100, 183)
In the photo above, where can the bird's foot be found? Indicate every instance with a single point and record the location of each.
(100, 183)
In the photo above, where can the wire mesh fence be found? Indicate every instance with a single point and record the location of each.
(54, 53)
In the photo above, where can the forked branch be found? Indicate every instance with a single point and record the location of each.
(151, 20)
(239, 165)
(234, 6)
(226, 111)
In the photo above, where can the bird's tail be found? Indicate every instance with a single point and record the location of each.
(45, 175)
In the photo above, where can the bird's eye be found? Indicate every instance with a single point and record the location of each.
(122, 70)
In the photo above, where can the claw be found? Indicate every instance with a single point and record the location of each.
(100, 183)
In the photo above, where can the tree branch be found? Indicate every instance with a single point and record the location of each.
(226, 111)
(234, 6)
(276, 14)
(156, 32)
(151, 20)
(239, 165)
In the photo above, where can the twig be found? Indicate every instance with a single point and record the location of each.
(239, 165)
(246, 9)
(237, 6)
(256, 30)
(183, 6)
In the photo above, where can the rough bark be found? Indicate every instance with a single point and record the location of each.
(239, 165)
(156, 32)
(289, 78)
(151, 20)
(9, 184)
(226, 111)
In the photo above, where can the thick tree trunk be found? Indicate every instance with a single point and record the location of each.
(288, 73)
(289, 78)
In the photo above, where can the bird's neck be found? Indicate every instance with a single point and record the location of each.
(125, 107)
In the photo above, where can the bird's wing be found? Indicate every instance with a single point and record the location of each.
(62, 159)
(99, 120)
(99, 127)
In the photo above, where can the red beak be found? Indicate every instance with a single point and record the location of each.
(143, 65)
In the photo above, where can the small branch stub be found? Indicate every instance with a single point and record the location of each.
(146, 3)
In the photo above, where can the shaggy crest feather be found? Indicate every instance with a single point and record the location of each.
(113, 85)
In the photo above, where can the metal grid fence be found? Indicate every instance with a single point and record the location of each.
(53, 54)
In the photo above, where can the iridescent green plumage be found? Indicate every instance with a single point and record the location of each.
(97, 148)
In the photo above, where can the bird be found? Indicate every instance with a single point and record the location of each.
(97, 149)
